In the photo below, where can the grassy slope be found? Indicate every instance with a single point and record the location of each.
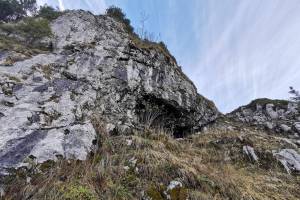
(210, 166)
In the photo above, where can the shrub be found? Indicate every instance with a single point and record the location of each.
(77, 192)
(29, 31)
(9, 10)
(296, 94)
(33, 29)
(118, 14)
(7, 28)
(16, 9)
(48, 12)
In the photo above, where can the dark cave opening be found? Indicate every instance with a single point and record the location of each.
(158, 113)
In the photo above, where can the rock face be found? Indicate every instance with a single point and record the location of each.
(47, 101)
(277, 115)
(290, 159)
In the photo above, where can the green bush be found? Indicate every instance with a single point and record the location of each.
(48, 12)
(33, 29)
(79, 192)
(30, 29)
(16, 9)
(7, 28)
(118, 14)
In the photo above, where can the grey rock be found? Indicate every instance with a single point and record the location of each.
(95, 69)
(289, 158)
(249, 151)
(269, 109)
(269, 125)
(2, 192)
(297, 126)
(285, 128)
(174, 184)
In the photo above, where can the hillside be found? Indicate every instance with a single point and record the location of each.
(91, 111)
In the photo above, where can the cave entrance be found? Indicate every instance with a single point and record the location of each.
(157, 113)
(182, 131)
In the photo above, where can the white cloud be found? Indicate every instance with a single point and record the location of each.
(249, 49)
(61, 5)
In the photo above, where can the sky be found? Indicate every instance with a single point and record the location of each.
(233, 50)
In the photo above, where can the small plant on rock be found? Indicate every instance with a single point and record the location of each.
(296, 95)
(48, 12)
(118, 14)
(34, 29)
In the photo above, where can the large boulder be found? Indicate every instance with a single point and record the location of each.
(47, 102)
(289, 158)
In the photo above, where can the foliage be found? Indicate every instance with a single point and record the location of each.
(14, 9)
(48, 12)
(8, 28)
(28, 5)
(11, 44)
(118, 14)
(33, 29)
(142, 39)
(147, 45)
(10, 9)
(24, 35)
(296, 95)
(79, 192)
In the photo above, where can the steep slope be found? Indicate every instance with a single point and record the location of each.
(215, 164)
(96, 69)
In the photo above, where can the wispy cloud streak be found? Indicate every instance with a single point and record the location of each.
(61, 5)
(249, 49)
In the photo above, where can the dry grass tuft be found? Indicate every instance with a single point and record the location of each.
(210, 166)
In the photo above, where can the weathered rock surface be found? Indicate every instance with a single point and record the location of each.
(249, 151)
(276, 115)
(289, 158)
(47, 101)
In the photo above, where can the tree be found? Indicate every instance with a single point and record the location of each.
(16, 9)
(296, 95)
(10, 9)
(118, 14)
(143, 33)
(28, 6)
(48, 12)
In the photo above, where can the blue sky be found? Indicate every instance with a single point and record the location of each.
(233, 50)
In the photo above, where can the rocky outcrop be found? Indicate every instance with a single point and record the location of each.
(48, 100)
(280, 116)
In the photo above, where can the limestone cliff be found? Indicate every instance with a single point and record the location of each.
(96, 68)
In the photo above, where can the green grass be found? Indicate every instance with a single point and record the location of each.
(150, 45)
(77, 191)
